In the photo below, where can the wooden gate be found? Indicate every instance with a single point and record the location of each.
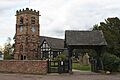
(58, 66)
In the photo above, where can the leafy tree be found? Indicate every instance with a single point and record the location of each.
(111, 30)
(8, 49)
(1, 49)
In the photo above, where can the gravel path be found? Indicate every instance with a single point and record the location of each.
(54, 76)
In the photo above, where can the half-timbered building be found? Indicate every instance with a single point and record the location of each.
(50, 47)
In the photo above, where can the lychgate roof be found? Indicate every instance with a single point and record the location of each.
(92, 38)
(55, 43)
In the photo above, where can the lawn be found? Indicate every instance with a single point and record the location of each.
(77, 66)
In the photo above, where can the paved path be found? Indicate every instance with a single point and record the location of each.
(77, 75)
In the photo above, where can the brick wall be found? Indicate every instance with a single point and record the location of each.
(26, 66)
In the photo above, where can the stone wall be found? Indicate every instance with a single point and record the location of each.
(26, 66)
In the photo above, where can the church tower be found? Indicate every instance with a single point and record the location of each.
(27, 35)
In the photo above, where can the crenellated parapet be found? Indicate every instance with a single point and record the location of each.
(28, 11)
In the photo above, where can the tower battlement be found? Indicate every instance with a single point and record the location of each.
(28, 11)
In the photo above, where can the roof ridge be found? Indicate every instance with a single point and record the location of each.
(51, 37)
(82, 30)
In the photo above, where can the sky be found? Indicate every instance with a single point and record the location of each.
(57, 15)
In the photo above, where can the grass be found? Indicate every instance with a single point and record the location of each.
(77, 66)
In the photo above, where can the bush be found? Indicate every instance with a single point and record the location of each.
(61, 57)
(8, 57)
(111, 62)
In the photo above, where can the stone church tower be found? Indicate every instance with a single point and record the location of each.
(27, 34)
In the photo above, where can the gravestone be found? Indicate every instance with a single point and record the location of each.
(86, 59)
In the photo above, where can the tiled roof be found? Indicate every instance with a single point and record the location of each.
(55, 43)
(84, 38)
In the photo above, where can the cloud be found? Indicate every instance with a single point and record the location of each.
(80, 16)
(58, 15)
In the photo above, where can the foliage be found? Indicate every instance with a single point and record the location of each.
(61, 57)
(111, 30)
(119, 68)
(1, 49)
(78, 66)
(111, 62)
(8, 50)
(82, 52)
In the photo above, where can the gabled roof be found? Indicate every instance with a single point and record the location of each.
(54, 43)
(84, 38)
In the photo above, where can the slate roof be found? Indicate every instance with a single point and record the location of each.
(54, 43)
(85, 38)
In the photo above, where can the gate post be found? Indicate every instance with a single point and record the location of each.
(70, 60)
(99, 64)
(48, 65)
(61, 67)
(93, 65)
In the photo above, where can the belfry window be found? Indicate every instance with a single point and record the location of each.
(21, 20)
(32, 20)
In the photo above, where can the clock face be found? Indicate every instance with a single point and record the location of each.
(21, 28)
(33, 29)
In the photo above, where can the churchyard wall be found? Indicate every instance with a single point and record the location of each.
(24, 66)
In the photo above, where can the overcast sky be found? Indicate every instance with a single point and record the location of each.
(58, 15)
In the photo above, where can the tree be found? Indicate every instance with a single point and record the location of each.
(1, 49)
(111, 62)
(8, 49)
(111, 31)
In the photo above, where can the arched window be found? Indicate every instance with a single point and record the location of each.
(21, 20)
(32, 20)
(22, 58)
(25, 58)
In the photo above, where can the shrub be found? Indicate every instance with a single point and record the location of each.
(61, 57)
(111, 62)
